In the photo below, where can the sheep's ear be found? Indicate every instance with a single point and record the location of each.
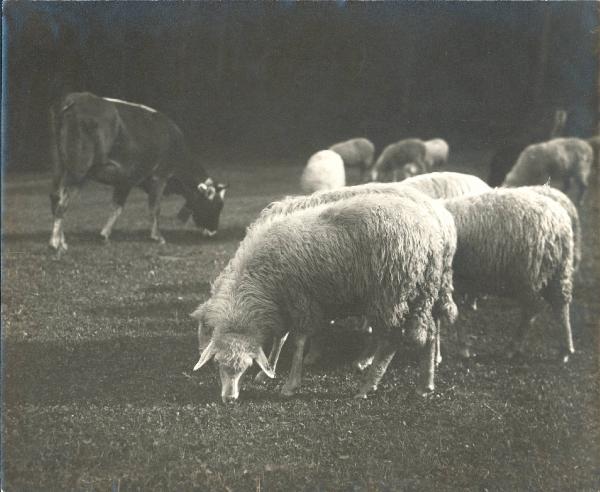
(206, 355)
(261, 360)
(197, 314)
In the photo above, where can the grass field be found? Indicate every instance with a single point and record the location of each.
(98, 392)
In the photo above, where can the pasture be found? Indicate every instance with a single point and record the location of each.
(98, 391)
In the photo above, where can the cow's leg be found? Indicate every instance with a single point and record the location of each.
(63, 192)
(384, 353)
(120, 194)
(295, 377)
(155, 188)
(438, 349)
(278, 343)
(427, 366)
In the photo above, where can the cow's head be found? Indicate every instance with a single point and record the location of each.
(409, 170)
(234, 355)
(205, 205)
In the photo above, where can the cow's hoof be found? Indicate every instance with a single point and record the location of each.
(59, 250)
(105, 239)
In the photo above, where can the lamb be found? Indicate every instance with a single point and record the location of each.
(379, 256)
(356, 152)
(515, 243)
(561, 160)
(323, 171)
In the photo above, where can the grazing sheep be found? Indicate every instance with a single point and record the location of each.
(561, 161)
(323, 171)
(356, 152)
(539, 128)
(379, 256)
(395, 156)
(515, 243)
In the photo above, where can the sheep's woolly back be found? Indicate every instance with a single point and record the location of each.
(356, 152)
(446, 184)
(566, 203)
(513, 242)
(555, 160)
(323, 171)
(437, 152)
(382, 256)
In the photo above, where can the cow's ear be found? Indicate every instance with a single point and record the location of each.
(262, 361)
(206, 355)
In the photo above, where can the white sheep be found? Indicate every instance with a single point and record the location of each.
(381, 256)
(356, 152)
(559, 161)
(515, 243)
(323, 171)
(396, 156)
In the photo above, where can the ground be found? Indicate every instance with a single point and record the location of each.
(98, 391)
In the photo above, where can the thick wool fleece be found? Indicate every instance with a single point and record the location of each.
(380, 256)
(356, 152)
(515, 243)
(562, 199)
(446, 184)
(559, 161)
(323, 171)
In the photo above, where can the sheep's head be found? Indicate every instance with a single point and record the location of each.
(409, 170)
(234, 355)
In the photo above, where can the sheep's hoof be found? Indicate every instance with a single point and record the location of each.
(424, 392)
(564, 357)
(58, 249)
(158, 239)
(288, 391)
(465, 353)
(105, 239)
(361, 395)
(261, 378)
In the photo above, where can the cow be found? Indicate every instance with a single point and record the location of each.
(126, 145)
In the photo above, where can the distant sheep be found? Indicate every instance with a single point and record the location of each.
(519, 244)
(411, 157)
(381, 256)
(323, 171)
(559, 161)
(356, 152)
(396, 156)
(446, 184)
(539, 128)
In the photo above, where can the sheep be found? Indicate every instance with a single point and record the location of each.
(519, 244)
(539, 128)
(356, 152)
(434, 185)
(323, 171)
(397, 155)
(411, 157)
(381, 256)
(561, 160)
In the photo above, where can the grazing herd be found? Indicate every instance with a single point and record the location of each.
(398, 254)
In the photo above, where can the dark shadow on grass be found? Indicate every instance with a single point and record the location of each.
(141, 371)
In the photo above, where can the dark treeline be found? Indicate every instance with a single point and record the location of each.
(266, 79)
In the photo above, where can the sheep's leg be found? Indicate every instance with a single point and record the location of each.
(381, 359)
(278, 343)
(365, 359)
(295, 377)
(567, 338)
(438, 350)
(427, 367)
(314, 351)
